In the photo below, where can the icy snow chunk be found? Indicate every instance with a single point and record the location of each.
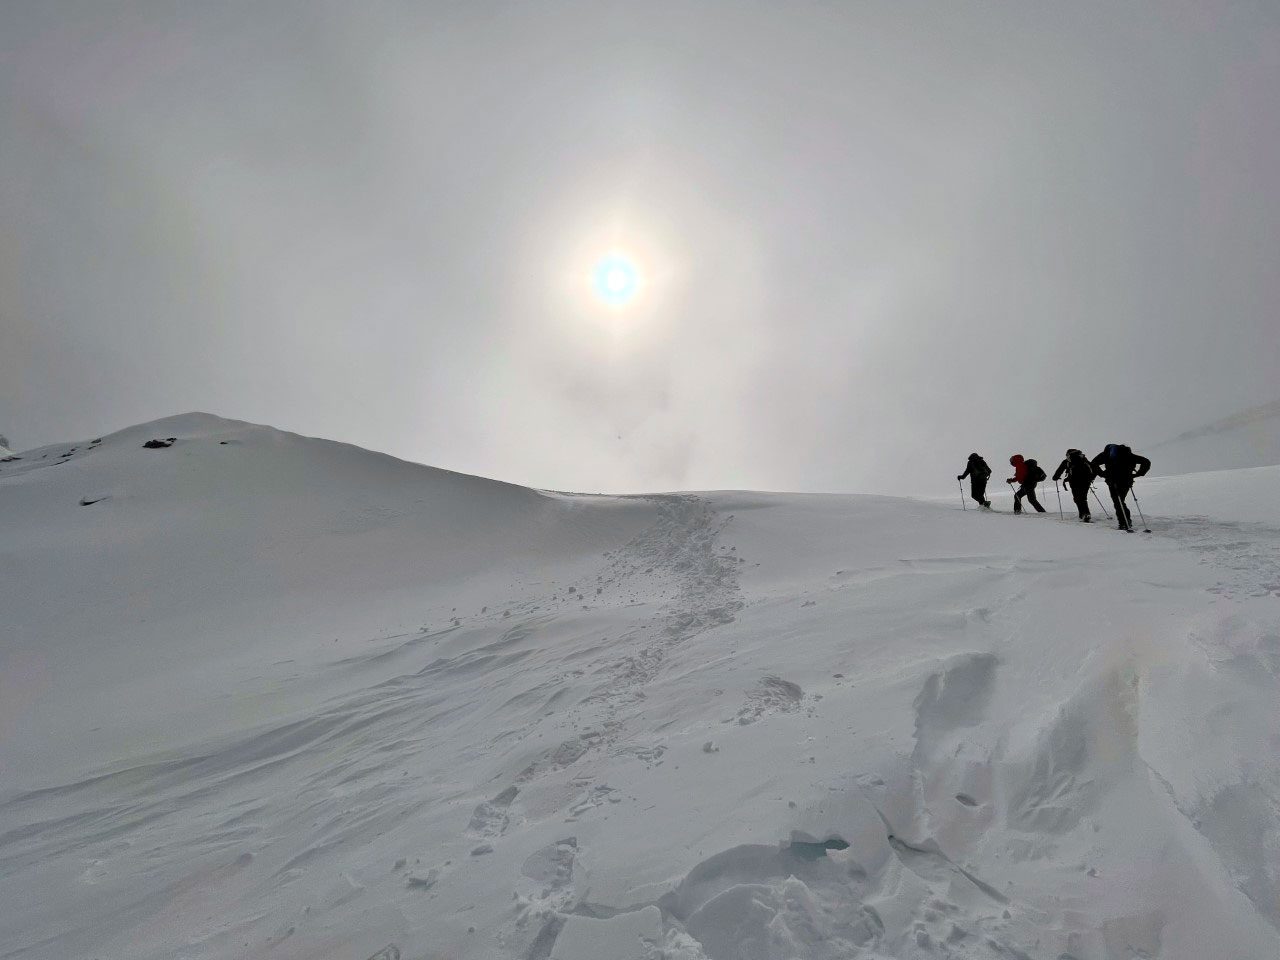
(851, 819)
(628, 936)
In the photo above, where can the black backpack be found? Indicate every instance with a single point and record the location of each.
(1034, 473)
(1078, 469)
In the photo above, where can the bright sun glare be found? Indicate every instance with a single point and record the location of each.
(616, 280)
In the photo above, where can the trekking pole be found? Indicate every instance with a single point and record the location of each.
(960, 484)
(1134, 493)
(1100, 503)
(1061, 516)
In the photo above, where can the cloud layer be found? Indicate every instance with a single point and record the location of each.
(880, 236)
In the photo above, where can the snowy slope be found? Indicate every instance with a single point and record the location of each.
(267, 696)
(1248, 438)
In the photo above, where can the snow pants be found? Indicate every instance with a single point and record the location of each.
(1027, 490)
(1080, 493)
(978, 489)
(1120, 490)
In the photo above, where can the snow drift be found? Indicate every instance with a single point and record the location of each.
(268, 696)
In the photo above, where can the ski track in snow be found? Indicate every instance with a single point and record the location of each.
(1246, 554)
(207, 804)
(874, 762)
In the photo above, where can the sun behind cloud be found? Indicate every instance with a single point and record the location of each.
(615, 279)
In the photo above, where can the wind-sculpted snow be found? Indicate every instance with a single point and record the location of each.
(269, 697)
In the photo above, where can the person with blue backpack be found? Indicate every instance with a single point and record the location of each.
(1120, 466)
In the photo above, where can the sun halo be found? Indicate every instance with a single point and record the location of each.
(615, 280)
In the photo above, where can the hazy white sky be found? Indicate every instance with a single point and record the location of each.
(874, 236)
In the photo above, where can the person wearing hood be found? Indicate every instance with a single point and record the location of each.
(1026, 474)
(1078, 472)
(1120, 466)
(977, 471)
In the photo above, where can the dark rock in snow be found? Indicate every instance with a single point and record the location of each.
(423, 881)
(159, 444)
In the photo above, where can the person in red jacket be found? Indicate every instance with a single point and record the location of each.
(1026, 474)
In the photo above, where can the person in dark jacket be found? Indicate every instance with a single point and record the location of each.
(1120, 466)
(1026, 474)
(1079, 476)
(978, 472)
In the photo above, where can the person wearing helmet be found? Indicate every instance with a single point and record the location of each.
(1079, 476)
(977, 471)
(1120, 466)
(1026, 474)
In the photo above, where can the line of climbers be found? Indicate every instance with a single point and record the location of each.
(1117, 465)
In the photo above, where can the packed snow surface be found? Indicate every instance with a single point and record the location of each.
(264, 696)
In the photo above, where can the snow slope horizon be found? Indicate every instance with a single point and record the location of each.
(1243, 441)
(268, 696)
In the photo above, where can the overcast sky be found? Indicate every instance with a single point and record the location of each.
(871, 236)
